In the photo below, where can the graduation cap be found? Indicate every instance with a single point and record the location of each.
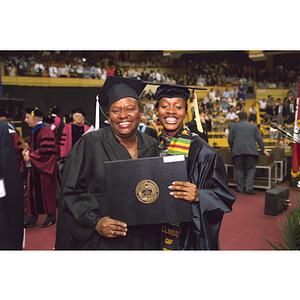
(34, 112)
(181, 91)
(116, 88)
(68, 118)
(78, 110)
(48, 119)
(173, 90)
(54, 110)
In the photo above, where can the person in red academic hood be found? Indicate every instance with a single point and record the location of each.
(72, 132)
(40, 159)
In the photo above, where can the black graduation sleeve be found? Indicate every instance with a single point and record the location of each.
(207, 171)
(83, 194)
(12, 204)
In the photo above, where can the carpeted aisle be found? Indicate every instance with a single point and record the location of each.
(242, 229)
(245, 226)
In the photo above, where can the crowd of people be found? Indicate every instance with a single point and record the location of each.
(196, 72)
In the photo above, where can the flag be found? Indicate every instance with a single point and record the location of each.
(295, 172)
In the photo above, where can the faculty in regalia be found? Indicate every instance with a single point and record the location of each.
(41, 156)
(83, 211)
(207, 189)
(72, 132)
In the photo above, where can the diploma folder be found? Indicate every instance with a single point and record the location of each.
(138, 193)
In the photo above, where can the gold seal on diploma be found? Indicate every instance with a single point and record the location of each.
(147, 191)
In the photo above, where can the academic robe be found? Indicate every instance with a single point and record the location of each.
(83, 198)
(18, 147)
(12, 204)
(205, 168)
(70, 135)
(41, 197)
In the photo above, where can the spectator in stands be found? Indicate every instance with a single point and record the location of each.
(53, 72)
(270, 105)
(294, 89)
(118, 71)
(144, 75)
(225, 105)
(252, 113)
(79, 70)
(264, 84)
(291, 111)
(110, 71)
(86, 73)
(212, 94)
(149, 107)
(250, 85)
(63, 71)
(209, 105)
(231, 101)
(272, 85)
(150, 94)
(21, 69)
(240, 106)
(180, 80)
(158, 76)
(201, 80)
(280, 113)
(217, 106)
(220, 121)
(103, 75)
(242, 140)
(166, 78)
(226, 93)
(231, 117)
(262, 105)
(38, 69)
(242, 91)
(144, 127)
(152, 76)
(213, 80)
(235, 92)
(26, 64)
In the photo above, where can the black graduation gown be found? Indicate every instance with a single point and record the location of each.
(83, 198)
(11, 205)
(206, 169)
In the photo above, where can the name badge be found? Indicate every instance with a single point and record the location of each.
(2, 188)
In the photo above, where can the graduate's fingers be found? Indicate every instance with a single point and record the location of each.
(110, 228)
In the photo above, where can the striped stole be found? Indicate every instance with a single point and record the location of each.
(180, 144)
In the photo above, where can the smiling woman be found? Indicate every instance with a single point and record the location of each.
(83, 212)
(206, 190)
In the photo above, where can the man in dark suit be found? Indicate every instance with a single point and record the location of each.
(280, 113)
(242, 140)
(291, 111)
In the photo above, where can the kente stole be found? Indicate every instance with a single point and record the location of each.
(179, 144)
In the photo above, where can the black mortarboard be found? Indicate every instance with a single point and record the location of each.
(48, 119)
(34, 112)
(116, 88)
(78, 110)
(54, 110)
(68, 118)
(173, 90)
